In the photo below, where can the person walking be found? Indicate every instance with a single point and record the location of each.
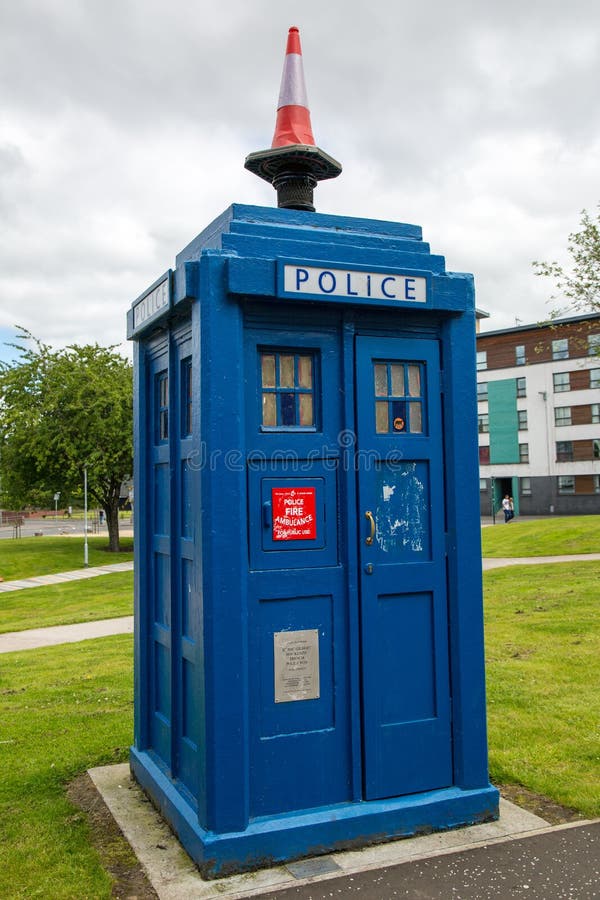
(506, 508)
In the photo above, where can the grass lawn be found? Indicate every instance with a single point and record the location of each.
(68, 708)
(543, 673)
(104, 597)
(28, 557)
(543, 537)
(62, 710)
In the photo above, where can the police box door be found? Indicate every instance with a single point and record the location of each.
(404, 634)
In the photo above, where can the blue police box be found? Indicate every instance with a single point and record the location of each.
(309, 670)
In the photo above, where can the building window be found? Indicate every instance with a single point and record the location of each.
(481, 360)
(483, 421)
(186, 397)
(560, 348)
(596, 443)
(525, 484)
(520, 355)
(564, 451)
(566, 484)
(522, 414)
(523, 453)
(594, 378)
(562, 381)
(287, 382)
(521, 387)
(595, 410)
(161, 388)
(562, 415)
(593, 344)
(482, 390)
(484, 456)
(483, 484)
(596, 484)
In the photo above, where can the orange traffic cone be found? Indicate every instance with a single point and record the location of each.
(294, 164)
(293, 115)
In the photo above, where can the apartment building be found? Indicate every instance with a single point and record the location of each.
(538, 389)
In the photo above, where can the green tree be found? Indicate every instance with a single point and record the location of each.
(578, 283)
(61, 410)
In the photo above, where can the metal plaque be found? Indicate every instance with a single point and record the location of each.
(296, 664)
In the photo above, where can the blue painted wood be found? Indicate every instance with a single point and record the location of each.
(156, 506)
(464, 553)
(297, 585)
(239, 776)
(258, 277)
(276, 232)
(272, 839)
(250, 245)
(406, 693)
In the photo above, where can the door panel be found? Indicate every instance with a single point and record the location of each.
(297, 589)
(406, 704)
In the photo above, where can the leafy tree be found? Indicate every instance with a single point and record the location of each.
(579, 284)
(61, 410)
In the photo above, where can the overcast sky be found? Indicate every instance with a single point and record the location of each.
(124, 125)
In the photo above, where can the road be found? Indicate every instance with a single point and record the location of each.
(59, 525)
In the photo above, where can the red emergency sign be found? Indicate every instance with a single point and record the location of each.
(294, 514)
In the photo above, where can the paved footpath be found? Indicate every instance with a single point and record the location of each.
(64, 634)
(60, 577)
(497, 563)
(558, 863)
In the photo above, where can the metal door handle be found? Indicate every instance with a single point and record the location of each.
(371, 520)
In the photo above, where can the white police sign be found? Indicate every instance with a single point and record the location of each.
(354, 283)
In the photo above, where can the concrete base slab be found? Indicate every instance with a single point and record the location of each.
(175, 877)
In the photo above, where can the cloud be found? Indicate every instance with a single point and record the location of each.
(125, 126)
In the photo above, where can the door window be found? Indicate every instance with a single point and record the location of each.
(287, 389)
(399, 397)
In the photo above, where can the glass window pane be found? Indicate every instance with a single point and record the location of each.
(381, 388)
(164, 425)
(399, 415)
(269, 410)
(268, 370)
(561, 381)
(414, 381)
(306, 409)
(397, 380)
(416, 418)
(560, 348)
(381, 417)
(164, 386)
(286, 371)
(288, 408)
(305, 371)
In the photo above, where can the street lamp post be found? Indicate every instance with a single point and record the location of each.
(85, 528)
